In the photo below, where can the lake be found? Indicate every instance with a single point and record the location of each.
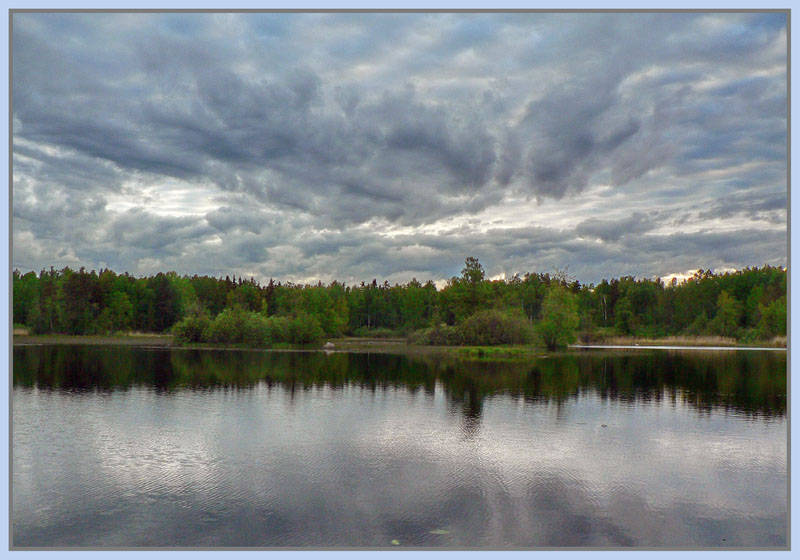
(130, 447)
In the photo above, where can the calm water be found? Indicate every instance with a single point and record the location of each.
(122, 446)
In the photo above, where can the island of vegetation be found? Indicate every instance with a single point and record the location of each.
(539, 309)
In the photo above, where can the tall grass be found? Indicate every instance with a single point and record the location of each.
(669, 341)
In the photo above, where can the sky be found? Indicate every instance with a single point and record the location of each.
(306, 147)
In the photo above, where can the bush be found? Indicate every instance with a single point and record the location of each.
(750, 336)
(439, 335)
(191, 328)
(493, 327)
(231, 326)
(279, 329)
(226, 328)
(255, 331)
(238, 326)
(305, 329)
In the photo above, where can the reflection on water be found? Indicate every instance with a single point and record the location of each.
(742, 382)
(124, 446)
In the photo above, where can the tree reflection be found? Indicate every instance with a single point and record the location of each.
(744, 382)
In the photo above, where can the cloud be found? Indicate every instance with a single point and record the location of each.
(612, 230)
(364, 145)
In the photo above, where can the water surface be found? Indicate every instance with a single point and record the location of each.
(123, 446)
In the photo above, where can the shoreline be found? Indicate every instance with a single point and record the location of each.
(158, 340)
(672, 347)
(357, 344)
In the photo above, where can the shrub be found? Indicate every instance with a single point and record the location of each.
(238, 326)
(305, 329)
(749, 336)
(255, 331)
(492, 327)
(279, 329)
(226, 328)
(191, 328)
(439, 335)
(235, 326)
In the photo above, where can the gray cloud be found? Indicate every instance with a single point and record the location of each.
(612, 230)
(770, 207)
(318, 145)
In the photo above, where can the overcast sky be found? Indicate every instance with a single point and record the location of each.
(311, 147)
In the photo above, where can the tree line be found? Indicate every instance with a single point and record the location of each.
(551, 308)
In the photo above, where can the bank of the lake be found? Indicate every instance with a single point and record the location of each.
(401, 345)
(159, 340)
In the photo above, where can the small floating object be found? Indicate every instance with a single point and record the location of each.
(440, 532)
(328, 345)
(395, 542)
(603, 426)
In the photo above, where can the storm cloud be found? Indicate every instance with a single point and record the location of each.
(391, 146)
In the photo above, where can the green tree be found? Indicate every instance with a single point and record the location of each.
(184, 291)
(245, 295)
(166, 305)
(773, 320)
(26, 299)
(624, 319)
(316, 302)
(118, 314)
(729, 311)
(559, 320)
(80, 307)
(752, 306)
(472, 272)
(340, 312)
(51, 302)
(412, 305)
(699, 326)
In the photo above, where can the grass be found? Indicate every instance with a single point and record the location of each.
(701, 341)
(778, 341)
(496, 352)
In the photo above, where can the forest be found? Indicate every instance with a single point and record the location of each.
(548, 309)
